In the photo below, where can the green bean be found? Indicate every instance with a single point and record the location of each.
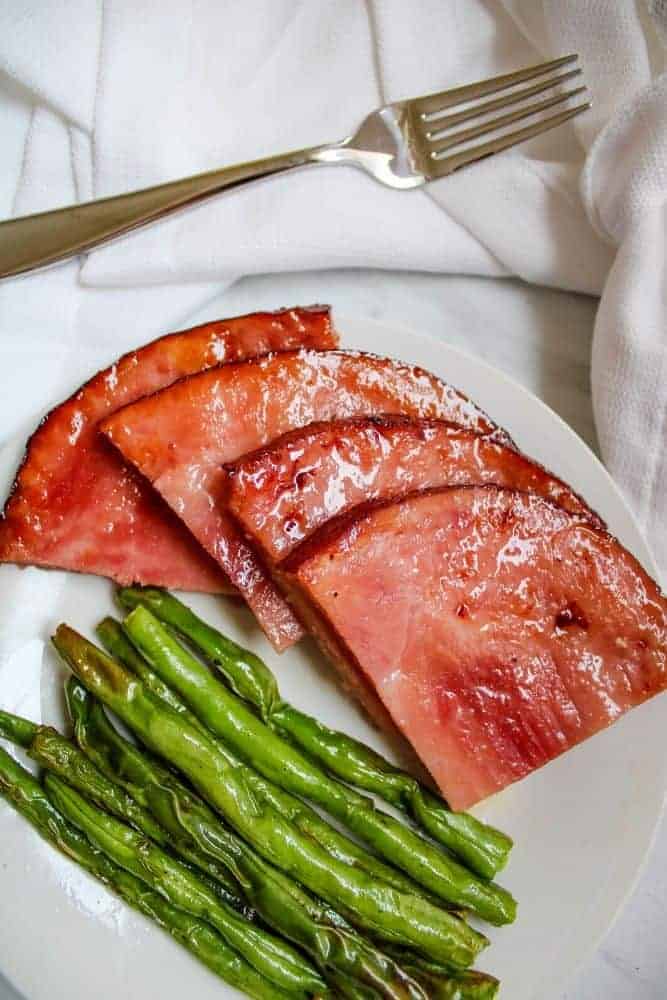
(52, 751)
(320, 931)
(273, 958)
(482, 847)
(289, 806)
(223, 780)
(229, 718)
(27, 796)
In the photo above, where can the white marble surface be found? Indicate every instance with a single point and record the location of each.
(542, 338)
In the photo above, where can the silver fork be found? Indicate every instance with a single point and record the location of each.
(404, 145)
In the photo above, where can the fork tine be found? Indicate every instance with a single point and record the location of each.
(448, 164)
(432, 103)
(435, 126)
(463, 135)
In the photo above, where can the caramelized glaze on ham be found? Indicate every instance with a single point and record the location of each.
(180, 437)
(497, 629)
(76, 505)
(282, 493)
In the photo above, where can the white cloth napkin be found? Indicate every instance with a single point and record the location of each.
(125, 93)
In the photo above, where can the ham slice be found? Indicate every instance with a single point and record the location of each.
(282, 493)
(76, 505)
(180, 437)
(497, 629)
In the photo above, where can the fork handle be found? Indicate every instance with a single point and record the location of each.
(40, 240)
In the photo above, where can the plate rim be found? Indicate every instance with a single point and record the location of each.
(471, 358)
(647, 560)
(402, 330)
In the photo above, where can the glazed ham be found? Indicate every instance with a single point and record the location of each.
(76, 505)
(281, 494)
(181, 437)
(497, 629)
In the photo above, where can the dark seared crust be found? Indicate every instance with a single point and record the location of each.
(337, 527)
(64, 462)
(492, 429)
(180, 438)
(263, 489)
(331, 532)
(96, 380)
(379, 420)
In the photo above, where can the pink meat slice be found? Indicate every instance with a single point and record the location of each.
(497, 629)
(181, 437)
(75, 504)
(281, 494)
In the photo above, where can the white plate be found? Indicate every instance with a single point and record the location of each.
(582, 825)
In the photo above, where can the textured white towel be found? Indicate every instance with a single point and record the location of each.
(129, 92)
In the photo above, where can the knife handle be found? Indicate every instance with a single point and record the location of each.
(36, 241)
